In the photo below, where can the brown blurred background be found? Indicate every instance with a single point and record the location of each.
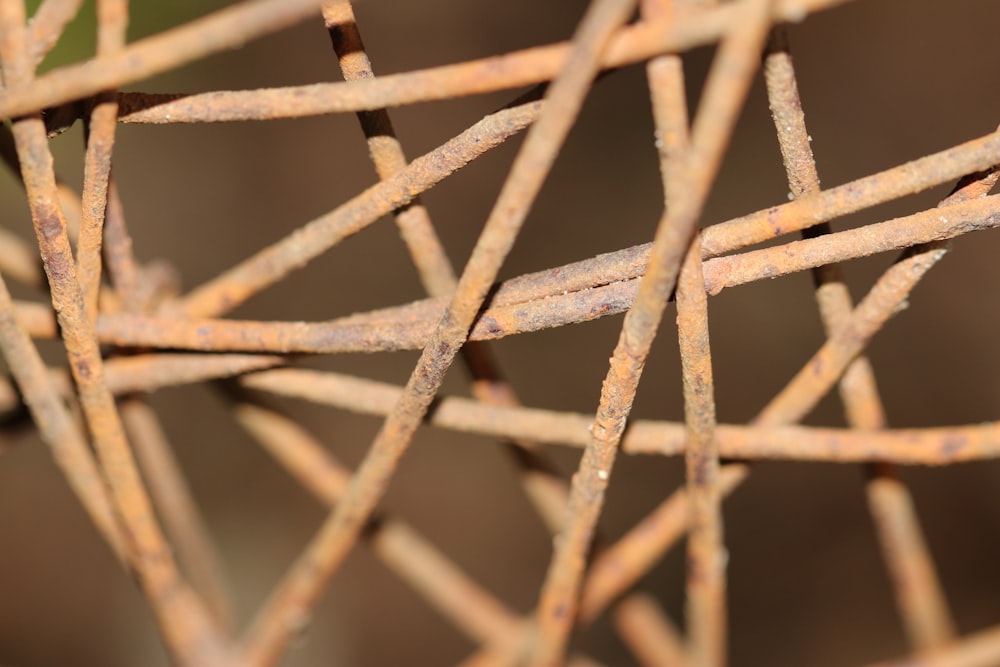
(882, 81)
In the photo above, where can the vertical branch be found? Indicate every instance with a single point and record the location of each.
(301, 587)
(918, 592)
(726, 89)
(103, 217)
(183, 620)
(112, 21)
(706, 561)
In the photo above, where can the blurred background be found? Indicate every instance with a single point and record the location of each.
(882, 82)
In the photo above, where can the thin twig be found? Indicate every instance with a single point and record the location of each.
(150, 372)
(926, 227)
(128, 279)
(909, 178)
(917, 446)
(387, 154)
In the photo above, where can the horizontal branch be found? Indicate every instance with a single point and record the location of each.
(224, 29)
(936, 224)
(932, 446)
(979, 649)
(926, 446)
(571, 294)
(513, 70)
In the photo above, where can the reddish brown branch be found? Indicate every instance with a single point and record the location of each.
(706, 557)
(706, 562)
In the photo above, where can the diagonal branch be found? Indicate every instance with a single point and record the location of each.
(546, 491)
(304, 582)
